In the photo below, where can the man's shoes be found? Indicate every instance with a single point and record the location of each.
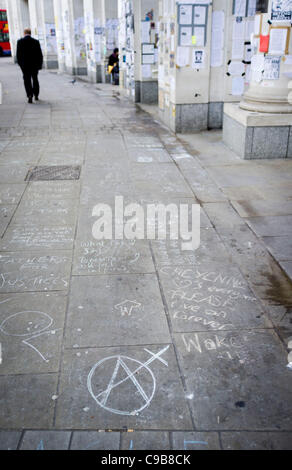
(36, 98)
(30, 99)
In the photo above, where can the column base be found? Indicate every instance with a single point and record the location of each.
(149, 92)
(254, 135)
(95, 76)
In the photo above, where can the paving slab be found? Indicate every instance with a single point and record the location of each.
(144, 440)
(9, 440)
(13, 173)
(45, 440)
(6, 213)
(47, 190)
(192, 441)
(26, 401)
(112, 257)
(35, 271)
(256, 440)
(99, 391)
(271, 226)
(49, 212)
(115, 310)
(243, 375)
(202, 298)
(149, 155)
(31, 332)
(280, 247)
(31, 238)
(260, 208)
(11, 193)
(172, 252)
(287, 267)
(94, 440)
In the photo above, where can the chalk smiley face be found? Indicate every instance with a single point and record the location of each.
(26, 323)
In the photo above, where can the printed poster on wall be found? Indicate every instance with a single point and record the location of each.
(271, 68)
(198, 61)
(281, 10)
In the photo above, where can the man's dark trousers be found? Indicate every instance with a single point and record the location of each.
(31, 82)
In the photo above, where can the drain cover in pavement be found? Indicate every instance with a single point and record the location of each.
(51, 173)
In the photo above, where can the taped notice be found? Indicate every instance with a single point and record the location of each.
(236, 68)
(271, 68)
(257, 67)
(198, 61)
(238, 35)
(237, 86)
(217, 41)
(278, 40)
(182, 56)
(239, 8)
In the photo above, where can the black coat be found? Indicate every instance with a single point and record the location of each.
(29, 54)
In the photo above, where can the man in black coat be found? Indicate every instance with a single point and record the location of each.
(30, 60)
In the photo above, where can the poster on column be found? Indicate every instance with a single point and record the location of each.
(198, 61)
(217, 42)
(51, 38)
(272, 68)
(281, 10)
(239, 8)
(238, 36)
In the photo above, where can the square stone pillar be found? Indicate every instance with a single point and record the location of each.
(94, 17)
(18, 19)
(74, 37)
(59, 34)
(43, 28)
(184, 65)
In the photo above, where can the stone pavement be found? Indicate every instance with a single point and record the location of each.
(136, 344)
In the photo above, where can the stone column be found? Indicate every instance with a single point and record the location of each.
(126, 14)
(94, 17)
(74, 37)
(111, 36)
(265, 95)
(184, 65)
(43, 28)
(59, 34)
(18, 19)
(146, 50)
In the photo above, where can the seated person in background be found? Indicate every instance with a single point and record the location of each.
(113, 66)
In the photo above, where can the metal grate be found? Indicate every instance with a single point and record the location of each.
(53, 173)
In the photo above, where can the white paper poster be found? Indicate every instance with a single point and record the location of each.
(236, 68)
(145, 31)
(217, 41)
(200, 15)
(271, 68)
(238, 36)
(251, 9)
(148, 59)
(278, 39)
(237, 86)
(257, 24)
(200, 35)
(185, 14)
(257, 67)
(239, 7)
(198, 61)
(146, 71)
(185, 36)
(182, 56)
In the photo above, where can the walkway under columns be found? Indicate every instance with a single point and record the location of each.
(187, 349)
